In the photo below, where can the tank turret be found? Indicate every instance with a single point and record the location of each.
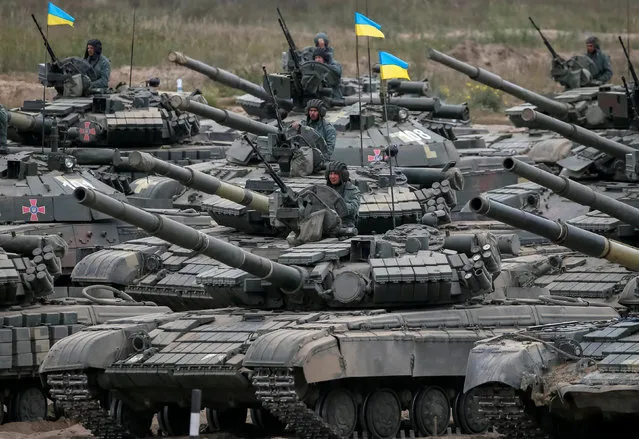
(360, 280)
(574, 191)
(535, 119)
(594, 108)
(200, 181)
(282, 85)
(290, 279)
(281, 212)
(569, 236)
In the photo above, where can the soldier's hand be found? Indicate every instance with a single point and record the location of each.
(296, 125)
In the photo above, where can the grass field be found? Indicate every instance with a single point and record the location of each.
(243, 35)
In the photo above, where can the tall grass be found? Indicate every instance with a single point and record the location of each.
(243, 35)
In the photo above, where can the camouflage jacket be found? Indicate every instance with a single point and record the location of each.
(327, 131)
(351, 195)
(102, 68)
(3, 126)
(604, 69)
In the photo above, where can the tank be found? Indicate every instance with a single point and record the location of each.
(575, 191)
(601, 155)
(307, 338)
(120, 118)
(414, 115)
(33, 317)
(418, 146)
(567, 235)
(584, 386)
(314, 75)
(36, 187)
(580, 369)
(238, 211)
(590, 107)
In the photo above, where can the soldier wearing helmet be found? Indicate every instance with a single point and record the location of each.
(338, 178)
(601, 60)
(324, 55)
(100, 63)
(315, 112)
(321, 40)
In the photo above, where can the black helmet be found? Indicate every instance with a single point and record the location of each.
(594, 41)
(316, 103)
(340, 168)
(323, 36)
(97, 47)
(324, 53)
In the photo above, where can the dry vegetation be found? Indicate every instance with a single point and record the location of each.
(242, 35)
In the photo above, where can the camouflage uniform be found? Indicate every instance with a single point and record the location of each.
(323, 127)
(100, 64)
(348, 191)
(3, 128)
(601, 60)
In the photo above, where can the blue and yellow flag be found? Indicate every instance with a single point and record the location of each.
(57, 16)
(392, 67)
(365, 27)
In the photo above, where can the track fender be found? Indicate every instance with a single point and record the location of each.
(315, 351)
(516, 364)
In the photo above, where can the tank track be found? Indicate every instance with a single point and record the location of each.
(505, 413)
(72, 391)
(275, 389)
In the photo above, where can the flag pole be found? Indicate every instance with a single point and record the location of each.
(44, 83)
(359, 101)
(382, 95)
(370, 71)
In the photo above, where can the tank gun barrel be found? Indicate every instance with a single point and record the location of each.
(495, 81)
(143, 161)
(575, 133)
(28, 122)
(428, 176)
(574, 191)
(95, 156)
(227, 78)
(560, 233)
(413, 104)
(408, 87)
(288, 278)
(223, 117)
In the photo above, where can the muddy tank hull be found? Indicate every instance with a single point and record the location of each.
(219, 352)
(569, 398)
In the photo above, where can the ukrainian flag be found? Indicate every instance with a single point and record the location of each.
(392, 67)
(57, 16)
(365, 27)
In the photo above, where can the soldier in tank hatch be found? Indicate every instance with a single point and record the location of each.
(601, 60)
(338, 178)
(315, 112)
(322, 54)
(321, 41)
(99, 62)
